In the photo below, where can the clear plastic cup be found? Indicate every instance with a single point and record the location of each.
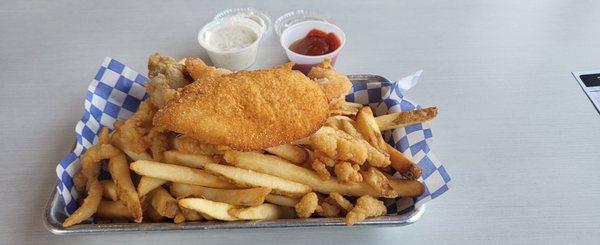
(258, 16)
(299, 31)
(237, 59)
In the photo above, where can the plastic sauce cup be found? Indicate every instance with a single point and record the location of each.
(299, 31)
(237, 59)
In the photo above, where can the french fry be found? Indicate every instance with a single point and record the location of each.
(278, 167)
(265, 211)
(179, 174)
(186, 159)
(190, 215)
(407, 188)
(350, 129)
(164, 203)
(242, 197)
(292, 153)
(148, 184)
(152, 215)
(89, 206)
(179, 217)
(119, 170)
(217, 210)
(367, 126)
(138, 156)
(405, 118)
(378, 181)
(342, 107)
(247, 178)
(282, 200)
(403, 165)
(112, 209)
(109, 190)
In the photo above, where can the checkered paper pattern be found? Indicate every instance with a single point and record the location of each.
(413, 141)
(116, 91)
(114, 94)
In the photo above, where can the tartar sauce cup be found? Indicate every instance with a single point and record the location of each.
(222, 47)
(300, 30)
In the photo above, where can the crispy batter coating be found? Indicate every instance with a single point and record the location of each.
(131, 132)
(160, 91)
(187, 144)
(89, 205)
(158, 141)
(247, 110)
(335, 84)
(366, 206)
(336, 198)
(321, 169)
(329, 210)
(158, 64)
(307, 205)
(339, 145)
(90, 161)
(197, 69)
(346, 173)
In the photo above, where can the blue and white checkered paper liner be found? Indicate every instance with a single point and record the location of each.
(114, 94)
(116, 91)
(413, 141)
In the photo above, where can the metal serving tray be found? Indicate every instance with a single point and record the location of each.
(54, 213)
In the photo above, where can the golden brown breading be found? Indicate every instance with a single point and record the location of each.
(329, 210)
(158, 142)
(339, 145)
(160, 91)
(321, 169)
(131, 132)
(187, 144)
(307, 205)
(335, 84)
(166, 65)
(197, 69)
(346, 173)
(366, 206)
(247, 110)
(339, 200)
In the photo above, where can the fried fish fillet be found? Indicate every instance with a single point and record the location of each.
(335, 84)
(197, 69)
(247, 110)
(158, 64)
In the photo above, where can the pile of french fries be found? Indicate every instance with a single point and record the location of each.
(156, 176)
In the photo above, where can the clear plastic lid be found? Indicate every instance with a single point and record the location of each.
(258, 16)
(296, 16)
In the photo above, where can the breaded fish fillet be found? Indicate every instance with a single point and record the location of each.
(335, 84)
(247, 110)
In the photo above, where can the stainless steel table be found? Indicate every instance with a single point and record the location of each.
(515, 131)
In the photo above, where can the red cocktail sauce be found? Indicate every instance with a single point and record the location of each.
(316, 43)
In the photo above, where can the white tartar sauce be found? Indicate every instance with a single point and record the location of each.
(231, 37)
